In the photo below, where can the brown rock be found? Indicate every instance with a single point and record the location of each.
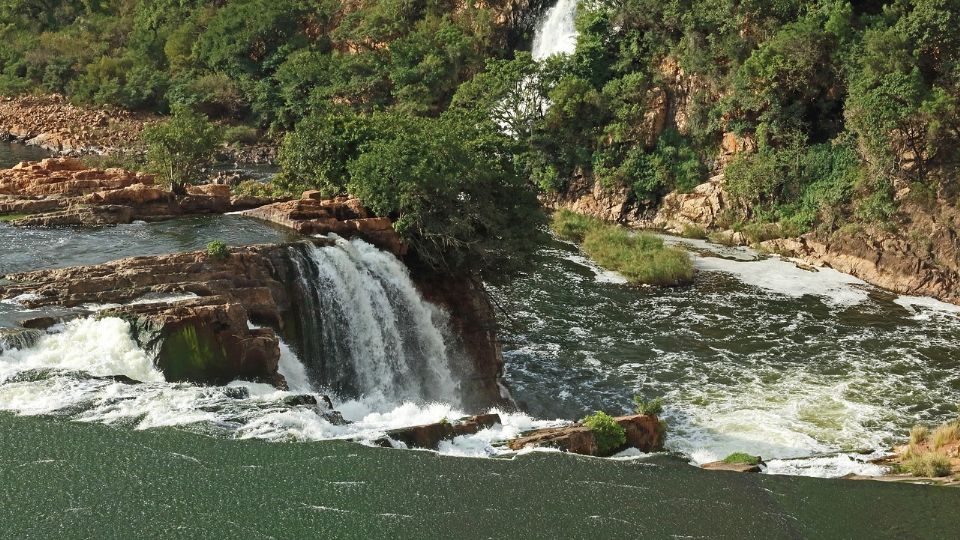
(429, 435)
(642, 433)
(733, 467)
(342, 215)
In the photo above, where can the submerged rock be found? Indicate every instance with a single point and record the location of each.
(428, 436)
(643, 432)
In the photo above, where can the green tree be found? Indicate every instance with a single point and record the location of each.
(178, 149)
(453, 192)
(315, 155)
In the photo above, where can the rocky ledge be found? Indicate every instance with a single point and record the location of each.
(191, 309)
(643, 433)
(344, 216)
(916, 253)
(63, 191)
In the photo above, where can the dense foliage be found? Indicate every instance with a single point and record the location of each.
(422, 109)
(839, 104)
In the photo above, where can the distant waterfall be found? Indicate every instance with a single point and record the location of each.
(556, 33)
(366, 329)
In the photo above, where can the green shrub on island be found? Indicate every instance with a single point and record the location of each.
(218, 250)
(253, 188)
(652, 407)
(606, 431)
(642, 258)
(742, 458)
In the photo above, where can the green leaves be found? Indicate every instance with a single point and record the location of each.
(179, 148)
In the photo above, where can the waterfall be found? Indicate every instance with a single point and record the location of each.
(557, 32)
(366, 330)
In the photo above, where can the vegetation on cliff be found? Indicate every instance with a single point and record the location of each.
(640, 257)
(834, 106)
(831, 106)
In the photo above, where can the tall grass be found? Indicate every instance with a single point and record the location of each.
(642, 258)
(929, 464)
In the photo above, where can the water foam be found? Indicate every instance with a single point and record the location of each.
(376, 334)
(783, 277)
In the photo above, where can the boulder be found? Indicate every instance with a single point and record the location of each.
(643, 432)
(205, 341)
(732, 467)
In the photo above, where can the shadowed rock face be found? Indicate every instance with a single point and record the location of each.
(205, 339)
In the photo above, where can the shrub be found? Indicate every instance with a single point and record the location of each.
(929, 464)
(240, 135)
(943, 435)
(693, 231)
(180, 148)
(740, 457)
(606, 431)
(652, 407)
(217, 250)
(918, 435)
(253, 188)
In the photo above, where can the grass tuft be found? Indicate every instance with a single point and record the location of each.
(918, 435)
(641, 258)
(944, 435)
(929, 464)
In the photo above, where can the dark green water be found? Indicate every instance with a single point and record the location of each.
(69, 480)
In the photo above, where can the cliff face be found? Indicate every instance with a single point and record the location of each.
(474, 321)
(916, 253)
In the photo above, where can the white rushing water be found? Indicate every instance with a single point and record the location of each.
(391, 340)
(378, 334)
(393, 348)
(556, 33)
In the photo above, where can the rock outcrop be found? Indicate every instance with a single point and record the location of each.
(429, 436)
(912, 259)
(63, 191)
(344, 216)
(643, 433)
(191, 309)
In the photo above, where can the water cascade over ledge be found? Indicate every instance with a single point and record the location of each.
(372, 332)
(556, 33)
